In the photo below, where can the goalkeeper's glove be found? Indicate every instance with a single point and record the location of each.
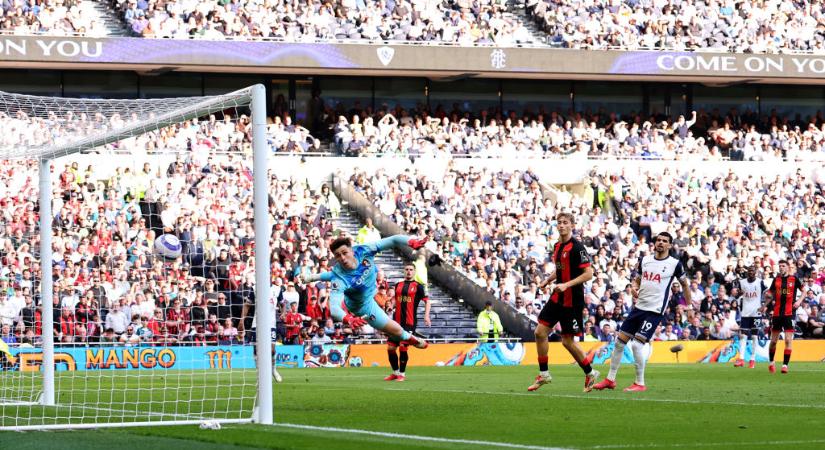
(307, 278)
(354, 322)
(415, 244)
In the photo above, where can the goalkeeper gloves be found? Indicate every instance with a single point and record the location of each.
(415, 244)
(354, 321)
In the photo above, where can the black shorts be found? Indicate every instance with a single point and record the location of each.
(782, 323)
(750, 324)
(570, 318)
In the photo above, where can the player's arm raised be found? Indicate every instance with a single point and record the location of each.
(313, 277)
(397, 241)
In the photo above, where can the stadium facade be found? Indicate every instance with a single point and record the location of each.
(378, 75)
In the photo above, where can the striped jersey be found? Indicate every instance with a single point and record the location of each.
(784, 295)
(571, 259)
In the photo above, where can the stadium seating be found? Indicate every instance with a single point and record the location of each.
(742, 26)
(708, 136)
(495, 228)
(50, 17)
(449, 22)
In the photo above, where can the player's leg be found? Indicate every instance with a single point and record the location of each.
(569, 329)
(590, 374)
(754, 337)
(631, 325)
(744, 330)
(547, 320)
(392, 354)
(776, 328)
(275, 374)
(649, 323)
(609, 381)
(379, 320)
(403, 359)
(788, 325)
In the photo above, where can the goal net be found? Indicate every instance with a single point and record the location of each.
(134, 256)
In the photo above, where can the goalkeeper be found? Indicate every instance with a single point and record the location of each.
(353, 282)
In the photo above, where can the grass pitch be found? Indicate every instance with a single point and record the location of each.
(687, 406)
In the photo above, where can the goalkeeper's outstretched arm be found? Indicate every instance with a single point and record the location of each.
(398, 241)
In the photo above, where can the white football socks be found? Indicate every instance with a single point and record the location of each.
(616, 360)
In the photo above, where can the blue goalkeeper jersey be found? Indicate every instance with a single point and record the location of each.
(359, 285)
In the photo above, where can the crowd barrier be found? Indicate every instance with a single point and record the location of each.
(375, 355)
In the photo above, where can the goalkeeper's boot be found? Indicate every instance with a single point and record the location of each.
(739, 363)
(391, 377)
(540, 381)
(418, 342)
(276, 376)
(400, 377)
(784, 368)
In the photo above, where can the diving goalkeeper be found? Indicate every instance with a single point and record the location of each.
(353, 282)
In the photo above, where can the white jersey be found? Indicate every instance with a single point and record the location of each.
(751, 300)
(657, 276)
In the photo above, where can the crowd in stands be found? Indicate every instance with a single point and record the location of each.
(496, 227)
(461, 22)
(110, 287)
(705, 135)
(49, 17)
(741, 26)
(225, 134)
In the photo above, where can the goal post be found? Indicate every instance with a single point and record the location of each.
(142, 338)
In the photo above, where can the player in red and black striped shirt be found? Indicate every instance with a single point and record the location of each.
(783, 289)
(566, 304)
(408, 295)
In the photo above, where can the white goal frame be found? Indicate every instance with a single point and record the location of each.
(255, 98)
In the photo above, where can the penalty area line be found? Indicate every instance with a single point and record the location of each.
(414, 437)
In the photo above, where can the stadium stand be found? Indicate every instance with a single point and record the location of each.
(750, 26)
(51, 17)
(707, 136)
(462, 22)
(495, 227)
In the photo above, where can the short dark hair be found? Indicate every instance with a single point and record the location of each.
(667, 235)
(784, 261)
(566, 215)
(340, 242)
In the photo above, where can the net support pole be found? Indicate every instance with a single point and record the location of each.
(263, 232)
(46, 280)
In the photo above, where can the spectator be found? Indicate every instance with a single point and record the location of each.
(489, 324)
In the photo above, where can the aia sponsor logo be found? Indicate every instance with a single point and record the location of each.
(650, 276)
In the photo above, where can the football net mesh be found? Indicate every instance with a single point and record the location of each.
(142, 332)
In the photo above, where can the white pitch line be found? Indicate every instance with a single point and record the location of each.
(711, 444)
(415, 437)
